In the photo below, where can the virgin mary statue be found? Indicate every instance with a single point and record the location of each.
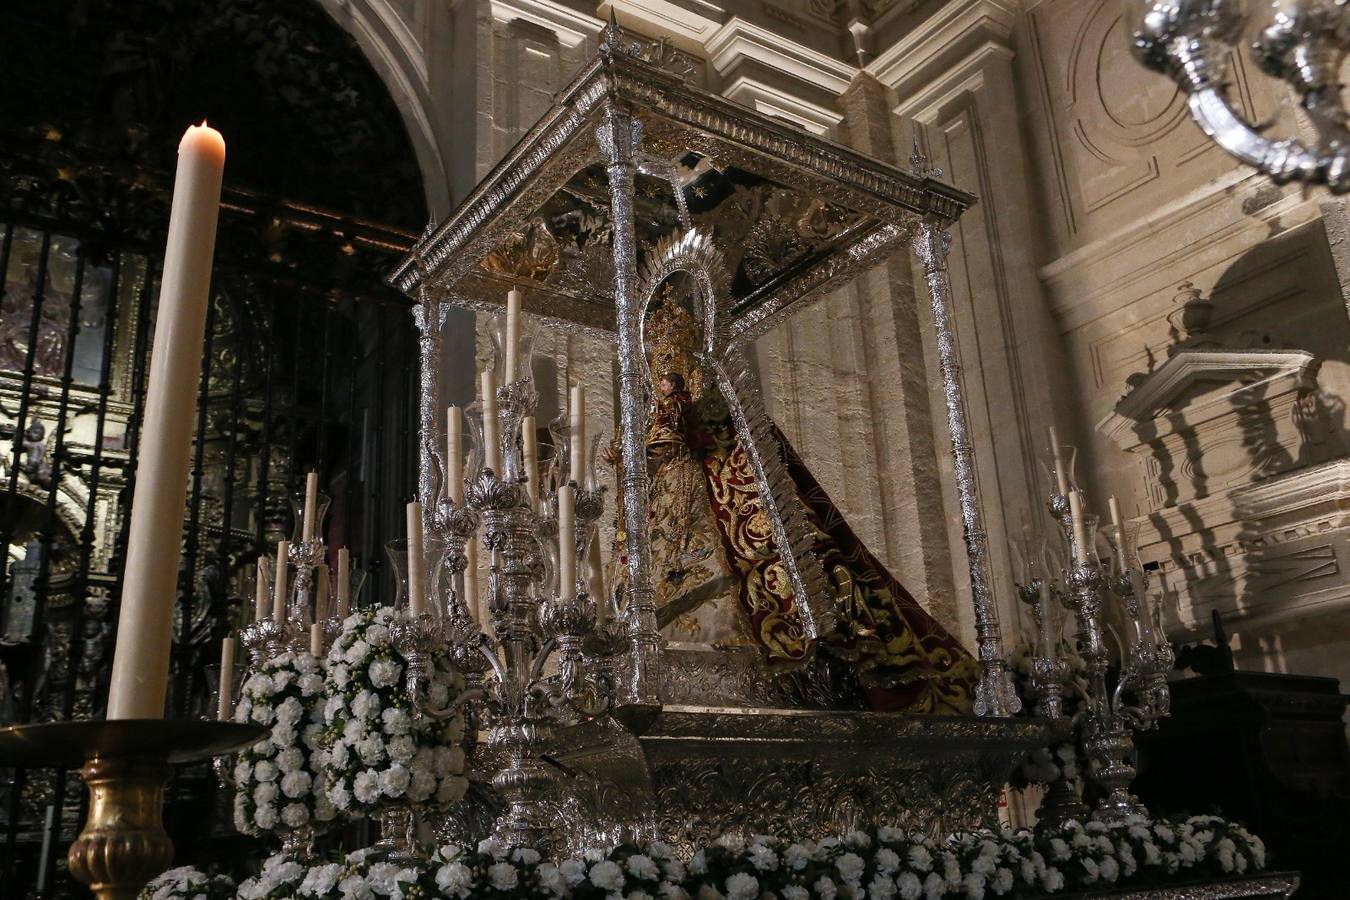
(717, 569)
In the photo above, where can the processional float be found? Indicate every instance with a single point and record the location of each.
(627, 181)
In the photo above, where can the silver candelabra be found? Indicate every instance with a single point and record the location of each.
(1083, 583)
(538, 654)
(1301, 42)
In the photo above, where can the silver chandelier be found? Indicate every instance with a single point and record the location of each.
(1301, 42)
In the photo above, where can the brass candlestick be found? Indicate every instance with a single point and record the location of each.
(126, 764)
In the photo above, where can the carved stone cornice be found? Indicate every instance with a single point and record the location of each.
(1253, 374)
(573, 28)
(948, 37)
(738, 40)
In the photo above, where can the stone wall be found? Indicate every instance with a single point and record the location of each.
(1099, 199)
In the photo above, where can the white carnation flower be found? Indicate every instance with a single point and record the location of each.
(455, 879)
(366, 786)
(357, 653)
(642, 866)
(607, 875)
(573, 871)
(265, 816)
(742, 886)
(503, 876)
(294, 815)
(394, 781)
(396, 721)
(296, 784)
(319, 880)
(385, 673)
(850, 866)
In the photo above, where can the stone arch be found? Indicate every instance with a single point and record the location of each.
(393, 51)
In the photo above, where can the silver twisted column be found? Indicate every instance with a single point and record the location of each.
(995, 695)
(618, 136)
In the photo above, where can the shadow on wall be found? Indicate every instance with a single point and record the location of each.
(1243, 430)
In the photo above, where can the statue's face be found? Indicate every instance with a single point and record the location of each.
(665, 386)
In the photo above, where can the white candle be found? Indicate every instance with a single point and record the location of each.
(262, 601)
(491, 447)
(279, 583)
(311, 505)
(417, 564)
(454, 455)
(1061, 478)
(140, 671)
(1080, 554)
(529, 447)
(512, 335)
(470, 597)
(316, 640)
(577, 435)
(223, 703)
(344, 589)
(567, 543)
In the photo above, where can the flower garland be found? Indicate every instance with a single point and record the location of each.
(276, 786)
(188, 883)
(880, 864)
(361, 874)
(375, 750)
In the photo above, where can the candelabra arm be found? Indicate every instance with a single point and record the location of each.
(540, 659)
(1189, 40)
(995, 694)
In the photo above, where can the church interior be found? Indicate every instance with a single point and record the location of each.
(674, 449)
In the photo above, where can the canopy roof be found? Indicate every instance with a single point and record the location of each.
(794, 214)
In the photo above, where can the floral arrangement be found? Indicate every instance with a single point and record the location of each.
(361, 874)
(1045, 765)
(188, 883)
(880, 864)
(276, 786)
(376, 750)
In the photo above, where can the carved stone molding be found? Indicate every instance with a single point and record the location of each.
(1178, 386)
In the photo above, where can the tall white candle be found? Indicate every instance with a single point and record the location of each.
(454, 454)
(1061, 478)
(140, 671)
(316, 639)
(529, 451)
(417, 563)
(226, 685)
(577, 435)
(262, 601)
(567, 543)
(311, 505)
(1080, 554)
(344, 587)
(471, 582)
(512, 335)
(279, 582)
(491, 446)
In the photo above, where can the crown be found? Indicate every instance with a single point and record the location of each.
(672, 342)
